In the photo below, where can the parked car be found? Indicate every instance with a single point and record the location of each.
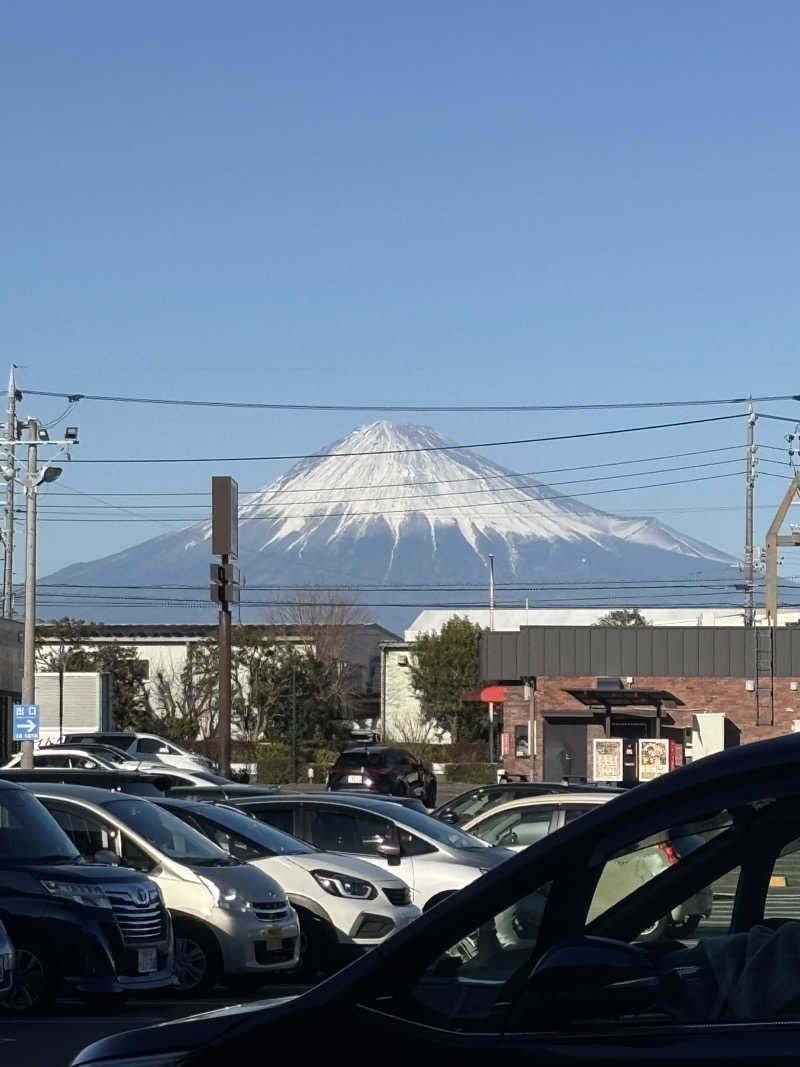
(521, 823)
(383, 770)
(145, 747)
(64, 757)
(223, 791)
(432, 858)
(550, 986)
(231, 921)
(414, 803)
(345, 905)
(7, 963)
(474, 802)
(91, 931)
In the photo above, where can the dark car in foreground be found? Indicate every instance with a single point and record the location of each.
(512, 966)
(383, 770)
(84, 929)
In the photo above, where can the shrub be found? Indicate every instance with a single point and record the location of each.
(471, 773)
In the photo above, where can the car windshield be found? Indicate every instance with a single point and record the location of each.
(440, 832)
(29, 834)
(167, 833)
(361, 759)
(263, 837)
(475, 803)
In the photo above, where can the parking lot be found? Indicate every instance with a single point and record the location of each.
(52, 1040)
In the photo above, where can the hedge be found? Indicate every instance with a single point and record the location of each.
(471, 773)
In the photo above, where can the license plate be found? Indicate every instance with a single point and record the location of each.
(354, 779)
(274, 942)
(148, 960)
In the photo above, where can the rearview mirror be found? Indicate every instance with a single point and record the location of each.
(389, 846)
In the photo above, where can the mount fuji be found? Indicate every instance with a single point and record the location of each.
(390, 506)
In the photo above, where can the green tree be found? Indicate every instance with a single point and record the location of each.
(622, 617)
(444, 667)
(70, 645)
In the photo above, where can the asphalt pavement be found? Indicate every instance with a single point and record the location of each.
(53, 1040)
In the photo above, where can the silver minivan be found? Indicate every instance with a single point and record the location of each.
(231, 921)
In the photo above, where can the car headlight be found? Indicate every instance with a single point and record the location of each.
(339, 885)
(89, 894)
(231, 900)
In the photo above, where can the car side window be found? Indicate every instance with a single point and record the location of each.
(280, 818)
(135, 857)
(148, 745)
(517, 826)
(87, 833)
(340, 831)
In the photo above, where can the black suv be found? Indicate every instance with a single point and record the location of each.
(378, 769)
(93, 930)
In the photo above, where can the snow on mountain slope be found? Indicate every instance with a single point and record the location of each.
(379, 507)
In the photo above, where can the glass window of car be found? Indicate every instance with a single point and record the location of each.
(516, 826)
(27, 831)
(88, 833)
(280, 817)
(246, 838)
(165, 833)
(346, 760)
(344, 831)
(148, 745)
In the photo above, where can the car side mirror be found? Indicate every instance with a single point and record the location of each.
(389, 846)
(105, 855)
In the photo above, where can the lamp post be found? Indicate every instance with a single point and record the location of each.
(33, 479)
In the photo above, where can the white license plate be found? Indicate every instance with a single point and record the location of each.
(148, 960)
(354, 779)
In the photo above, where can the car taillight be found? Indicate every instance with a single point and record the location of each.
(669, 852)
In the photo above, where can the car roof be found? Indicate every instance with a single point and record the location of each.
(75, 776)
(11, 786)
(90, 793)
(540, 801)
(405, 802)
(367, 747)
(373, 804)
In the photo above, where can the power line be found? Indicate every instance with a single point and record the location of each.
(278, 518)
(419, 496)
(434, 481)
(416, 449)
(262, 406)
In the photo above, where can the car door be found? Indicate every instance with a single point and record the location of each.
(358, 833)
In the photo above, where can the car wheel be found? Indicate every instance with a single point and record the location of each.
(655, 931)
(685, 928)
(314, 948)
(35, 983)
(197, 960)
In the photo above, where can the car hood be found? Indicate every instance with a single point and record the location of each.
(250, 882)
(348, 865)
(190, 1032)
(483, 858)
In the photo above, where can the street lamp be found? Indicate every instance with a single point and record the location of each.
(33, 479)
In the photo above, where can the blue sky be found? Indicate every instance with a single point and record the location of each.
(364, 202)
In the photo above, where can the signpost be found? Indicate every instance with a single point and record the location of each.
(26, 722)
(224, 591)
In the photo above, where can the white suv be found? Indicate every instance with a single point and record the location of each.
(431, 857)
(345, 905)
(145, 748)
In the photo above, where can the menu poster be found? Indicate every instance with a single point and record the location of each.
(607, 759)
(654, 758)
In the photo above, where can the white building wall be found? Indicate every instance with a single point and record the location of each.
(401, 710)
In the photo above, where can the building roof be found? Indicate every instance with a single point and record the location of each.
(193, 630)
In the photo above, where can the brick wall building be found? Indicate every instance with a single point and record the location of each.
(751, 678)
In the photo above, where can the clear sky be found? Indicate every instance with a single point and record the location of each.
(369, 202)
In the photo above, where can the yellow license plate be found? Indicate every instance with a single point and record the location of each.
(274, 941)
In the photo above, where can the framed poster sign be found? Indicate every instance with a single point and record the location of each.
(607, 759)
(655, 757)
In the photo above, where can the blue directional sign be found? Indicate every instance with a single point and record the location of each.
(26, 722)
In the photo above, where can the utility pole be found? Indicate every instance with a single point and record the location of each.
(750, 481)
(491, 629)
(294, 724)
(29, 633)
(224, 591)
(9, 471)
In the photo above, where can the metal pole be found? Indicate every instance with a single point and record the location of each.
(61, 692)
(532, 727)
(749, 613)
(225, 685)
(491, 592)
(8, 525)
(29, 633)
(293, 726)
